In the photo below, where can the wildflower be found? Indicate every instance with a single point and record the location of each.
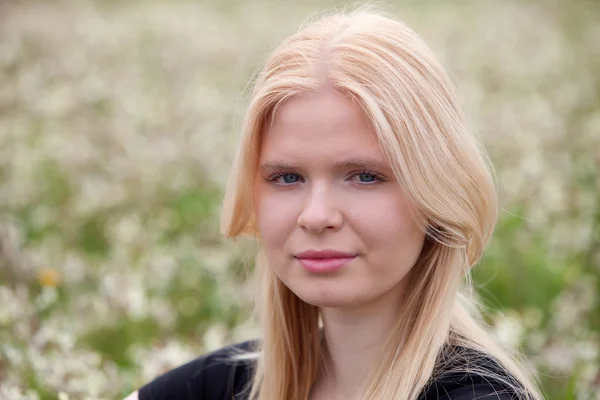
(48, 277)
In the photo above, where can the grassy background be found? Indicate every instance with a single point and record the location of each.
(117, 124)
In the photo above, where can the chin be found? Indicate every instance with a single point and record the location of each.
(328, 298)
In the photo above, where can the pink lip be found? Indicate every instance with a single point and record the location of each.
(323, 260)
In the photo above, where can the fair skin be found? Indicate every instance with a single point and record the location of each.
(323, 183)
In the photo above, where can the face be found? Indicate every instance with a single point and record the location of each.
(334, 223)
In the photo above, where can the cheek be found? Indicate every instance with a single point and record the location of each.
(387, 224)
(276, 216)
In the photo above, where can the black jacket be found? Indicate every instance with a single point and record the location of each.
(215, 377)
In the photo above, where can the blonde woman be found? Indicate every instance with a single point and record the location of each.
(371, 201)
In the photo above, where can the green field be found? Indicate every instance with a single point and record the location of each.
(118, 121)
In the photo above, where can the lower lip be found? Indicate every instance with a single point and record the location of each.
(323, 265)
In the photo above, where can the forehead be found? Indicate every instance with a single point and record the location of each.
(324, 126)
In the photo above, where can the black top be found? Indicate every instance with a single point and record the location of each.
(215, 377)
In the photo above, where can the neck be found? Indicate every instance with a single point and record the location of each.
(354, 340)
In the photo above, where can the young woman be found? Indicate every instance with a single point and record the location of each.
(370, 200)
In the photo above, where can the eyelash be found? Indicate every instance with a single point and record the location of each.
(379, 178)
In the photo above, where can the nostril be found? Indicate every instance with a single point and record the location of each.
(319, 222)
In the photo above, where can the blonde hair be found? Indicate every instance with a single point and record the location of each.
(413, 108)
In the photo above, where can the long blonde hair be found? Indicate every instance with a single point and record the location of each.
(412, 105)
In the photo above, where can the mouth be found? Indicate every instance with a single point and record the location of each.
(323, 261)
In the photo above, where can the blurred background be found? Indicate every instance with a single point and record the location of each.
(117, 125)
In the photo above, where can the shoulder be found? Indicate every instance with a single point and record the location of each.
(216, 375)
(467, 374)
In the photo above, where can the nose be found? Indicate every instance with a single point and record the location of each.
(319, 213)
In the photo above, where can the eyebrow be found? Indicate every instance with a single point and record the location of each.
(356, 163)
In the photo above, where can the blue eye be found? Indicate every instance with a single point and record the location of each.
(366, 177)
(284, 178)
(290, 178)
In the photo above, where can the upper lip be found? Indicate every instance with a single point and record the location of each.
(324, 254)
